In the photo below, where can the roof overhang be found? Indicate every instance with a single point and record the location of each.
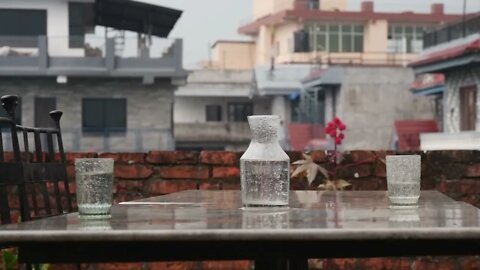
(136, 16)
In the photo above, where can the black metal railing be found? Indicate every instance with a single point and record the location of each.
(457, 30)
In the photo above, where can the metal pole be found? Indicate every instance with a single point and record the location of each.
(464, 18)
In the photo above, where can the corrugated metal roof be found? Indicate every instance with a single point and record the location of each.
(136, 16)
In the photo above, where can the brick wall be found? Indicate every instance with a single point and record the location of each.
(139, 175)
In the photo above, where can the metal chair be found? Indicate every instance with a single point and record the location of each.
(41, 179)
(34, 183)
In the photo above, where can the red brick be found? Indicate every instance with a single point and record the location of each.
(473, 171)
(231, 186)
(172, 157)
(294, 155)
(357, 171)
(218, 158)
(118, 266)
(71, 171)
(470, 263)
(62, 267)
(172, 266)
(319, 156)
(366, 184)
(130, 186)
(133, 171)
(167, 187)
(360, 156)
(224, 265)
(446, 264)
(184, 172)
(125, 158)
(209, 186)
(226, 172)
(384, 263)
(71, 156)
(343, 264)
(380, 169)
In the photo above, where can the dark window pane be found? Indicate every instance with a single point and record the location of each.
(334, 42)
(21, 27)
(346, 28)
(116, 114)
(43, 107)
(321, 42)
(358, 29)
(238, 112)
(214, 113)
(102, 114)
(358, 43)
(333, 28)
(346, 43)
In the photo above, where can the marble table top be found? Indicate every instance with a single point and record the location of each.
(218, 215)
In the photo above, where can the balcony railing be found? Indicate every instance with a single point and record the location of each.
(90, 55)
(453, 31)
(110, 140)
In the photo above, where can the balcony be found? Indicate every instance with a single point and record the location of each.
(212, 132)
(90, 56)
(454, 31)
(361, 58)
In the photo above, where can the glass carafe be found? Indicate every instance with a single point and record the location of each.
(264, 167)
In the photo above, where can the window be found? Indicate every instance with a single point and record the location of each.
(238, 112)
(104, 114)
(336, 37)
(21, 27)
(313, 4)
(214, 113)
(468, 108)
(80, 18)
(43, 107)
(405, 38)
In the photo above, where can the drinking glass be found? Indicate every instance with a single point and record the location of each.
(94, 177)
(403, 179)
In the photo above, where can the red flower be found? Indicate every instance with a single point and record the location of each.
(338, 141)
(337, 121)
(341, 136)
(333, 133)
(342, 126)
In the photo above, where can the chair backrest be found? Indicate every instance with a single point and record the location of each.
(38, 175)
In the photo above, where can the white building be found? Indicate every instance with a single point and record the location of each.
(116, 92)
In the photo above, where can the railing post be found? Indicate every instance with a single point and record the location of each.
(42, 52)
(110, 53)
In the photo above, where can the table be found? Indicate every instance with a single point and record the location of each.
(210, 225)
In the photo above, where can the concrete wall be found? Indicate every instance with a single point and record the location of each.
(375, 36)
(451, 98)
(371, 99)
(233, 55)
(149, 109)
(57, 23)
(333, 4)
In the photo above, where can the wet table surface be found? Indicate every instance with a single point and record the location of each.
(211, 225)
(218, 215)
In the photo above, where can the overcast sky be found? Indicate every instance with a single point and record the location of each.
(205, 21)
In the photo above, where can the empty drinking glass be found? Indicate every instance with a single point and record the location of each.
(403, 179)
(94, 177)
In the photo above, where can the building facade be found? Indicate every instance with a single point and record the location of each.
(211, 110)
(326, 32)
(453, 51)
(116, 91)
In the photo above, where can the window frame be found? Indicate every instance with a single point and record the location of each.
(339, 32)
(219, 113)
(233, 117)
